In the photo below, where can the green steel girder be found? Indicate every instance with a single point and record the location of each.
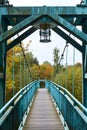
(19, 27)
(2, 2)
(22, 17)
(69, 27)
(13, 20)
(20, 38)
(78, 21)
(69, 11)
(68, 39)
(2, 65)
(85, 77)
(10, 12)
(85, 1)
(84, 63)
(34, 18)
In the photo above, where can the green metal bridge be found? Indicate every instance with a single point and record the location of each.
(42, 114)
(73, 114)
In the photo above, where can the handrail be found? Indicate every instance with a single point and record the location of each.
(11, 115)
(71, 96)
(13, 98)
(74, 113)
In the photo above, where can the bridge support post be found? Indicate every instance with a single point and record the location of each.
(3, 27)
(85, 1)
(84, 60)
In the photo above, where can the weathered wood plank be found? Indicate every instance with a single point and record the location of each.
(43, 115)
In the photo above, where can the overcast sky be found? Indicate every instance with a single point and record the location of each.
(44, 2)
(44, 51)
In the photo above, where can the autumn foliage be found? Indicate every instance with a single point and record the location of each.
(18, 70)
(17, 73)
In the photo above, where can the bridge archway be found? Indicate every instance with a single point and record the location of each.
(22, 17)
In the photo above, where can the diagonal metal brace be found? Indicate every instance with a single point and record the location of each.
(69, 27)
(20, 38)
(19, 27)
(68, 38)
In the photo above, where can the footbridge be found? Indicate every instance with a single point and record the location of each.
(49, 108)
(52, 107)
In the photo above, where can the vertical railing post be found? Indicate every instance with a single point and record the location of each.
(85, 1)
(84, 65)
(3, 28)
(20, 71)
(24, 74)
(73, 73)
(13, 92)
(66, 76)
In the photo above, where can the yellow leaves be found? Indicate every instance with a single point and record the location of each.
(8, 78)
(46, 71)
(13, 65)
(35, 71)
(42, 71)
(74, 77)
(9, 84)
(12, 56)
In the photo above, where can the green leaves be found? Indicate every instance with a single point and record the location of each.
(60, 78)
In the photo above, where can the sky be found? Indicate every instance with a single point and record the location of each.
(44, 51)
(44, 2)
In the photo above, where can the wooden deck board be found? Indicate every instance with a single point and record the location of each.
(43, 115)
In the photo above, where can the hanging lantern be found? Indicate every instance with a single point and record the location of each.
(45, 33)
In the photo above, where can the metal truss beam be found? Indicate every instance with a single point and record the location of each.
(85, 1)
(56, 19)
(58, 16)
(84, 58)
(69, 27)
(3, 66)
(19, 27)
(68, 39)
(20, 38)
(80, 10)
(84, 63)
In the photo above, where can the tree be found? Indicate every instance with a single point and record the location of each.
(46, 71)
(35, 71)
(60, 79)
(42, 71)
(56, 59)
(9, 69)
(35, 61)
(14, 56)
(46, 63)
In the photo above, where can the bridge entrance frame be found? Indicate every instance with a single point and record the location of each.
(22, 17)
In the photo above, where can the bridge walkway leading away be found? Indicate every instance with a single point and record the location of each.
(43, 115)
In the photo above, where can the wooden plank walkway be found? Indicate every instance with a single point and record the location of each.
(43, 115)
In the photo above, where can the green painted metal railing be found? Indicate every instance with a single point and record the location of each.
(11, 115)
(74, 113)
